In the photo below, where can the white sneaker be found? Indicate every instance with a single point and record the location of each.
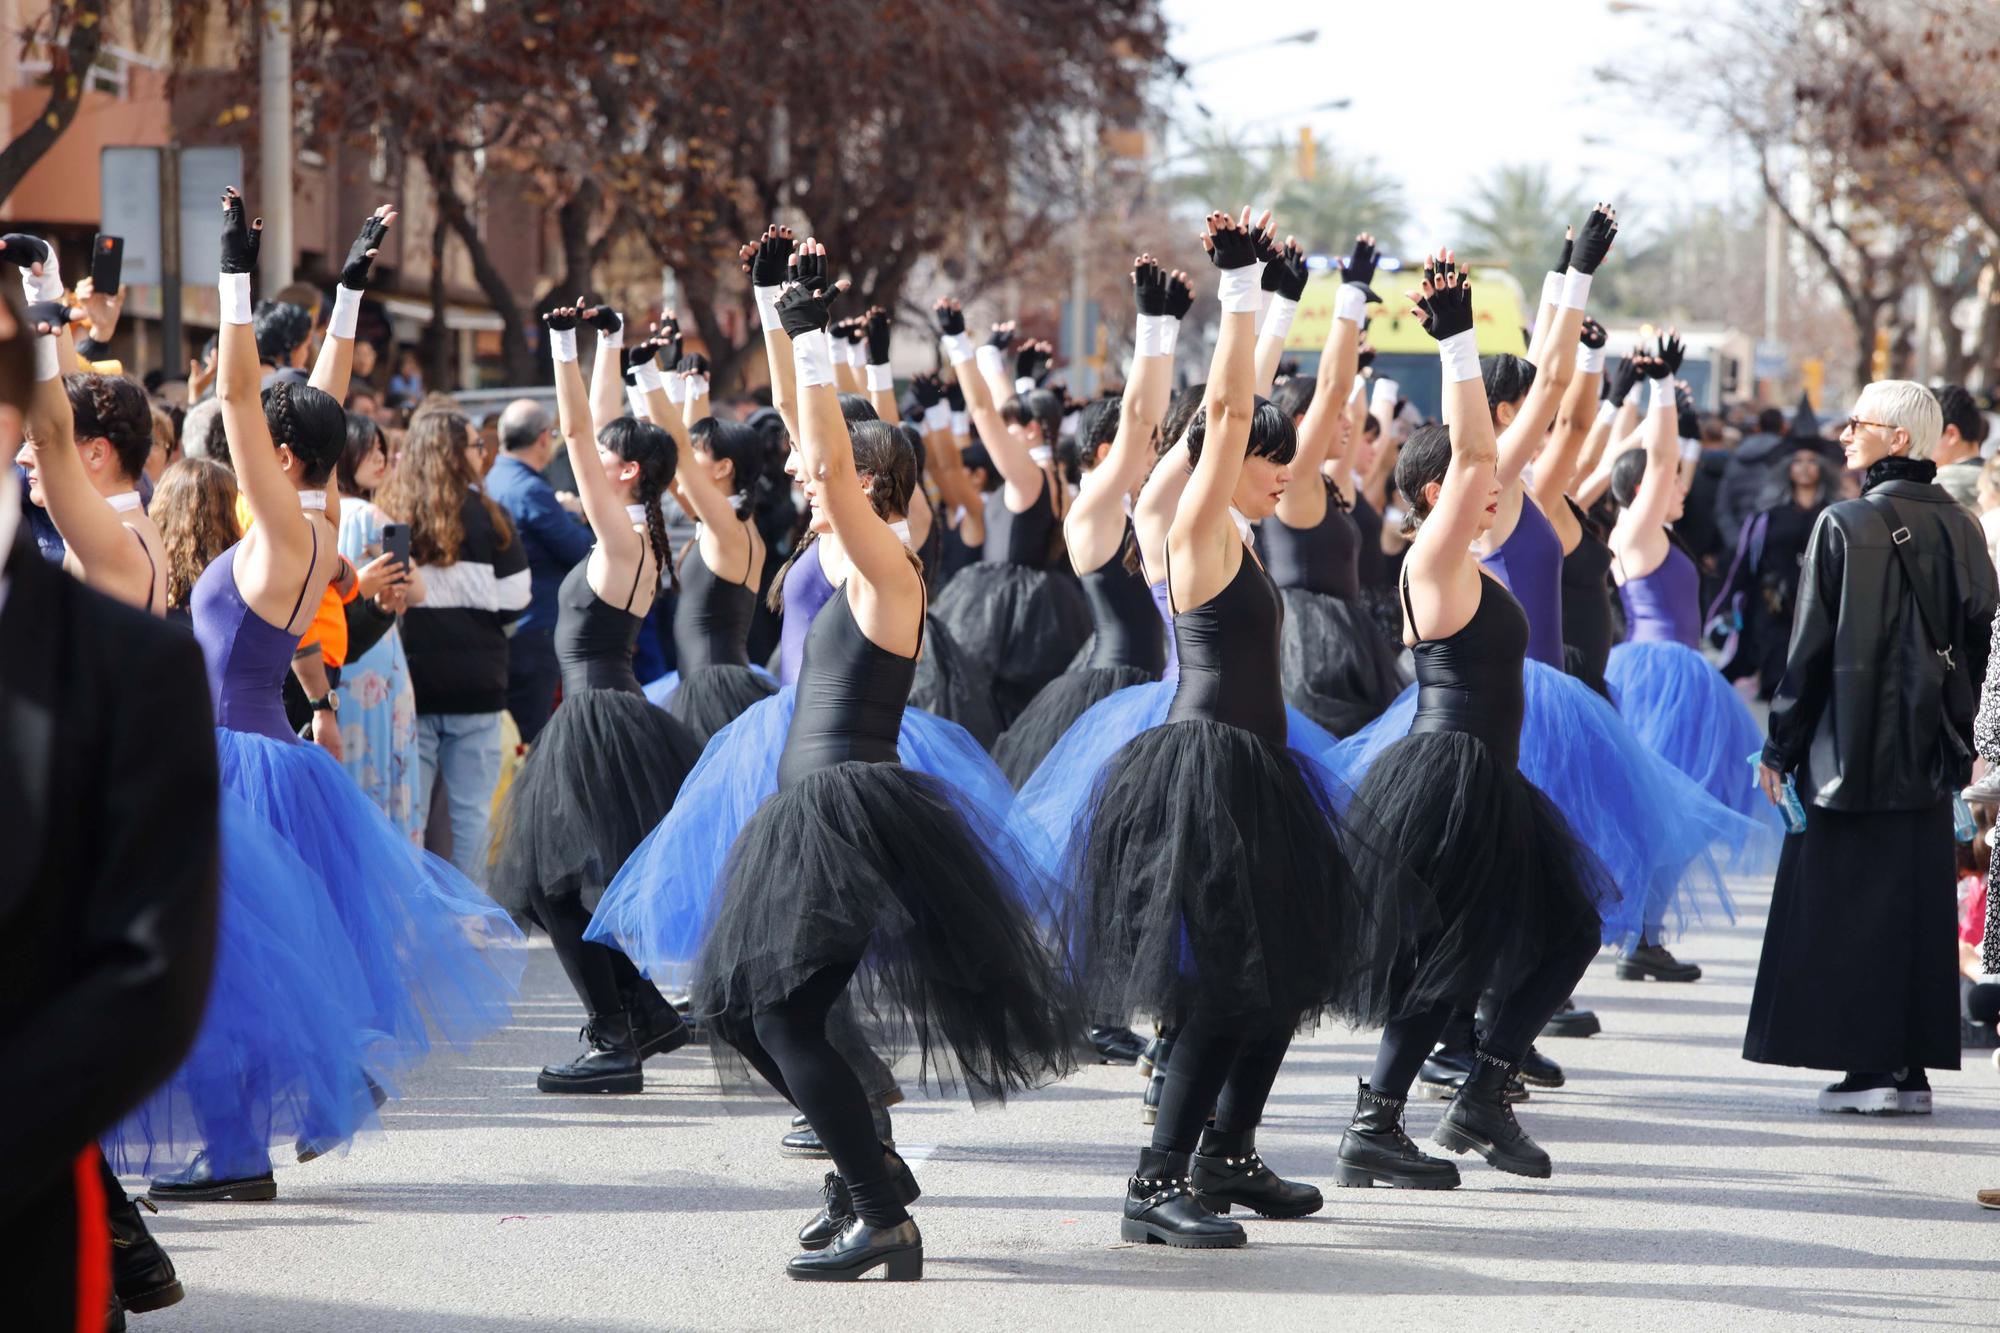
(1867, 1094)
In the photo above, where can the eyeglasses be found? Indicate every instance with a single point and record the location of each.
(1853, 422)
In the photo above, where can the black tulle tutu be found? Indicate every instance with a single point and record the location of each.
(1337, 668)
(1210, 873)
(877, 862)
(602, 773)
(953, 684)
(1061, 702)
(1024, 624)
(710, 698)
(1508, 877)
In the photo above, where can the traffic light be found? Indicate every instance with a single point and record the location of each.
(1308, 156)
(1879, 363)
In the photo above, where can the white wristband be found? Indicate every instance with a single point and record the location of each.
(1690, 449)
(346, 311)
(1150, 338)
(1606, 410)
(1041, 453)
(1350, 302)
(635, 398)
(48, 358)
(1278, 319)
(615, 338)
(767, 307)
(992, 365)
(234, 291)
(1459, 356)
(937, 419)
(647, 373)
(957, 348)
(1552, 288)
(1384, 395)
(1589, 360)
(1575, 291)
(1024, 384)
(1173, 334)
(1663, 396)
(1241, 290)
(881, 378)
(697, 386)
(49, 286)
(961, 424)
(562, 344)
(812, 359)
(676, 386)
(1360, 389)
(856, 353)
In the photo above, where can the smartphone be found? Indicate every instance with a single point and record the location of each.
(396, 541)
(107, 263)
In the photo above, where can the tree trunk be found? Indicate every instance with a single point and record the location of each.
(515, 353)
(86, 35)
(437, 373)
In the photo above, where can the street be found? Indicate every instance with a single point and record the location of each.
(1690, 1189)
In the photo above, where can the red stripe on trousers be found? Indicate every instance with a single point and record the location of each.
(93, 1245)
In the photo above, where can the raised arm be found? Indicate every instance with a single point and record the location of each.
(1304, 502)
(1545, 310)
(1020, 473)
(41, 281)
(575, 419)
(764, 259)
(1094, 527)
(334, 368)
(1556, 470)
(607, 374)
(1445, 307)
(1661, 440)
(1525, 435)
(1285, 278)
(272, 499)
(881, 380)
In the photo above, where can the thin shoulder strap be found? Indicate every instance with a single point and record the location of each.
(1409, 611)
(312, 563)
(153, 568)
(638, 571)
(1167, 558)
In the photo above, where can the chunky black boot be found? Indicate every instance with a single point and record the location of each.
(1117, 1046)
(804, 1139)
(860, 1248)
(1570, 1021)
(1653, 962)
(610, 1061)
(142, 1276)
(839, 1206)
(1375, 1149)
(1160, 1208)
(1480, 1120)
(1445, 1069)
(657, 1026)
(1227, 1171)
(1539, 1070)
(198, 1183)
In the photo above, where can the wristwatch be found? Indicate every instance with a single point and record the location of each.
(326, 703)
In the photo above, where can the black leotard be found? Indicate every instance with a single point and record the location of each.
(1019, 539)
(850, 699)
(1371, 566)
(1586, 601)
(712, 617)
(1229, 655)
(1324, 558)
(1129, 633)
(593, 638)
(1471, 680)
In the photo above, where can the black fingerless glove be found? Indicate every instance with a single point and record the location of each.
(1624, 379)
(770, 266)
(803, 308)
(1672, 349)
(361, 255)
(950, 319)
(1360, 266)
(877, 332)
(560, 320)
(22, 250)
(1595, 241)
(1448, 311)
(1285, 272)
(1149, 288)
(1180, 296)
(927, 390)
(1593, 335)
(240, 239)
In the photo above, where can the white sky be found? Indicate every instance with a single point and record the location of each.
(1518, 86)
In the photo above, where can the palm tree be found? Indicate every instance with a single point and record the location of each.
(1516, 220)
(1324, 208)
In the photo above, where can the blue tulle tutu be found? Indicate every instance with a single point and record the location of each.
(432, 948)
(1056, 797)
(1663, 840)
(284, 1045)
(658, 908)
(1685, 712)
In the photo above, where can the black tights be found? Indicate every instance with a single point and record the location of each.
(603, 978)
(787, 1043)
(1225, 1062)
(1517, 1019)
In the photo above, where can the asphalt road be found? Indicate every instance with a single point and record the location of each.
(1691, 1190)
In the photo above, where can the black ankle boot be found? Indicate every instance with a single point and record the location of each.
(860, 1248)
(198, 1183)
(142, 1276)
(1160, 1208)
(610, 1061)
(839, 1205)
(1480, 1120)
(1117, 1045)
(657, 1026)
(804, 1139)
(1375, 1148)
(1227, 1171)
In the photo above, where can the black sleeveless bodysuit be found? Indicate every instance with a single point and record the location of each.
(593, 638)
(1324, 558)
(1370, 564)
(1229, 656)
(1129, 633)
(712, 617)
(850, 698)
(1019, 539)
(1586, 602)
(1471, 681)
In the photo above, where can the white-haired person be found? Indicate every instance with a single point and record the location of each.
(1873, 726)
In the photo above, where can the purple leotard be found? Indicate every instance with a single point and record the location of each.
(1665, 605)
(1530, 563)
(247, 655)
(806, 591)
(1159, 591)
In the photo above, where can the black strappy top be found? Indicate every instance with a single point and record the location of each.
(711, 618)
(1586, 601)
(593, 638)
(1128, 628)
(1324, 558)
(1025, 538)
(851, 693)
(1471, 681)
(1229, 655)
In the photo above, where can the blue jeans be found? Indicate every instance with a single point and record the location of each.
(465, 749)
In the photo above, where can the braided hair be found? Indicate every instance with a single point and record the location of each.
(311, 422)
(888, 469)
(1425, 458)
(113, 408)
(650, 447)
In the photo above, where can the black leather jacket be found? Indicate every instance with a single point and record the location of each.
(1861, 709)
